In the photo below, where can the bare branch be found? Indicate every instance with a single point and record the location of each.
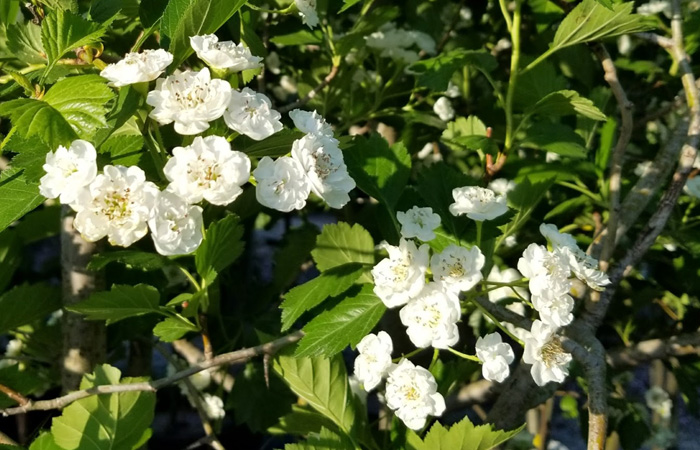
(236, 357)
(645, 351)
(193, 355)
(312, 94)
(14, 395)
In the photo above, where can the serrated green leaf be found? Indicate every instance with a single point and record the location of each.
(346, 324)
(325, 440)
(132, 259)
(330, 283)
(435, 73)
(120, 302)
(222, 245)
(64, 31)
(17, 197)
(24, 43)
(31, 156)
(464, 126)
(348, 4)
(44, 442)
(524, 198)
(279, 144)
(590, 21)
(301, 37)
(9, 9)
(322, 383)
(301, 422)
(26, 303)
(295, 250)
(340, 244)
(537, 83)
(172, 329)
(10, 256)
(37, 118)
(114, 421)
(185, 18)
(556, 138)
(378, 169)
(562, 103)
(464, 435)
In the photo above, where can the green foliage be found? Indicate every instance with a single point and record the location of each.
(325, 440)
(463, 435)
(556, 138)
(435, 73)
(17, 197)
(63, 31)
(115, 421)
(132, 259)
(276, 145)
(222, 245)
(26, 303)
(121, 302)
(346, 324)
(341, 244)
(562, 103)
(24, 42)
(173, 328)
(30, 158)
(184, 18)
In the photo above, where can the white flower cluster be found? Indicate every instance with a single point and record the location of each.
(398, 44)
(410, 391)
(224, 55)
(478, 203)
(316, 165)
(212, 405)
(495, 356)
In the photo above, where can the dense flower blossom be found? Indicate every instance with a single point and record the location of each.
(190, 99)
(544, 351)
(431, 317)
(68, 170)
(251, 113)
(495, 356)
(457, 268)
(374, 360)
(477, 203)
(224, 55)
(117, 204)
(281, 184)
(213, 406)
(325, 168)
(401, 276)
(444, 110)
(208, 169)
(418, 223)
(137, 67)
(310, 122)
(411, 391)
(307, 11)
(176, 226)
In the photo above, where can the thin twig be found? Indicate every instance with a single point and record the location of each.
(645, 351)
(193, 355)
(7, 440)
(14, 395)
(312, 94)
(238, 356)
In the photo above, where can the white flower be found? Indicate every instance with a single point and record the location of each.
(401, 276)
(556, 445)
(213, 406)
(585, 268)
(190, 99)
(544, 351)
(431, 318)
(117, 204)
(644, 166)
(207, 169)
(555, 306)
(272, 63)
(539, 263)
(374, 360)
(325, 168)
(556, 238)
(505, 276)
(137, 67)
(655, 7)
(307, 11)
(310, 122)
(13, 350)
(477, 203)
(692, 187)
(495, 356)
(224, 55)
(68, 170)
(457, 268)
(501, 186)
(419, 223)
(659, 401)
(424, 41)
(412, 393)
(452, 90)
(443, 108)
(624, 46)
(251, 113)
(281, 184)
(176, 226)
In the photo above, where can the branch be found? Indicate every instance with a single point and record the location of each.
(14, 395)
(503, 314)
(236, 357)
(645, 351)
(193, 355)
(312, 94)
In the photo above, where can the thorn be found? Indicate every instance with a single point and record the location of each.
(266, 369)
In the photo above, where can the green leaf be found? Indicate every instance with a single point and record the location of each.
(590, 21)
(301, 37)
(340, 244)
(562, 103)
(114, 421)
(537, 83)
(556, 138)
(524, 198)
(10, 256)
(26, 303)
(325, 440)
(64, 31)
(17, 197)
(222, 245)
(348, 4)
(37, 118)
(322, 383)
(379, 170)
(172, 329)
(31, 156)
(121, 302)
(301, 422)
(24, 43)
(44, 442)
(464, 435)
(295, 251)
(279, 144)
(185, 18)
(435, 73)
(346, 324)
(330, 283)
(132, 259)
(9, 9)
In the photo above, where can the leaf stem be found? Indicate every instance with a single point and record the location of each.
(191, 278)
(514, 68)
(407, 355)
(436, 354)
(506, 15)
(497, 322)
(464, 355)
